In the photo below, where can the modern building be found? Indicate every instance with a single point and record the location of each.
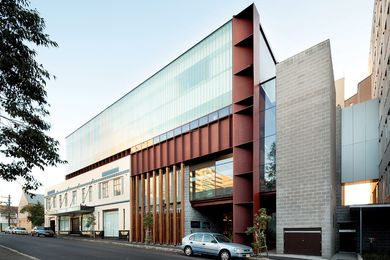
(220, 132)
(8, 217)
(24, 201)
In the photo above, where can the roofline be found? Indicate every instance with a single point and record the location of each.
(154, 74)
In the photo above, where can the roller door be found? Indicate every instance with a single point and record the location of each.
(110, 225)
(302, 241)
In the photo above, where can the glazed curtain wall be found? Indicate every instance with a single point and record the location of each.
(195, 84)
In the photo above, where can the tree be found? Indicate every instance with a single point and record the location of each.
(270, 167)
(24, 144)
(91, 222)
(148, 223)
(35, 212)
(258, 229)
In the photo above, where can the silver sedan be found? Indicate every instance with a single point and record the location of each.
(214, 244)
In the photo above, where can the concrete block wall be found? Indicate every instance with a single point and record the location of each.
(306, 145)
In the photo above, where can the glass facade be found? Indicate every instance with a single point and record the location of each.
(195, 84)
(212, 179)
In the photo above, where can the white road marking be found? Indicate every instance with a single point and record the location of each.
(20, 253)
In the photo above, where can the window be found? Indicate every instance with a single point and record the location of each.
(48, 203)
(208, 238)
(74, 197)
(60, 201)
(66, 199)
(90, 193)
(198, 237)
(105, 189)
(118, 186)
(100, 190)
(83, 195)
(64, 223)
(54, 202)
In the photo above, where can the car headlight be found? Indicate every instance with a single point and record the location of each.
(239, 250)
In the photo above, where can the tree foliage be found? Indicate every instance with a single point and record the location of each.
(258, 229)
(35, 212)
(24, 144)
(270, 167)
(148, 224)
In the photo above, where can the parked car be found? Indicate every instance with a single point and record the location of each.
(42, 231)
(20, 231)
(8, 230)
(214, 244)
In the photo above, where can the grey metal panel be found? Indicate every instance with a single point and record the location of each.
(347, 163)
(359, 165)
(359, 122)
(372, 155)
(346, 123)
(372, 119)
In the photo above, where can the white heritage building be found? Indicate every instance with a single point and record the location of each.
(103, 191)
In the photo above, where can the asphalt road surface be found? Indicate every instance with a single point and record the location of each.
(24, 247)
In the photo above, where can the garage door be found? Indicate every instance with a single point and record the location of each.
(110, 227)
(302, 241)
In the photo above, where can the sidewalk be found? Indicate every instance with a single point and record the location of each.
(166, 248)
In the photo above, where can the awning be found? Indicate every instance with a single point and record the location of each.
(80, 209)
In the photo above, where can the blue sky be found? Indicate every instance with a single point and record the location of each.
(108, 47)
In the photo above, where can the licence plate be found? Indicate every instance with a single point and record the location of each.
(248, 255)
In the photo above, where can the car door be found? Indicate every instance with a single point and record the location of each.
(196, 243)
(210, 245)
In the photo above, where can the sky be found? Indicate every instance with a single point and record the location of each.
(106, 48)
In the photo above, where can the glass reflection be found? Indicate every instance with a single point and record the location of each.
(214, 180)
(270, 96)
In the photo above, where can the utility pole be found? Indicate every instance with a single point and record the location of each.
(9, 210)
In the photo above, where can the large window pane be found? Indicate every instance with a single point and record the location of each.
(269, 93)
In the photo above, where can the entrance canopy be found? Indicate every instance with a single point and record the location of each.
(80, 209)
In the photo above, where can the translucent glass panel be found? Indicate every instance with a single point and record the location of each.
(268, 170)
(360, 149)
(267, 64)
(215, 180)
(195, 84)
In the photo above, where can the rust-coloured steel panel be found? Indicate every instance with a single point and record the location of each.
(195, 138)
(204, 140)
(214, 137)
(179, 148)
(225, 134)
(244, 88)
(171, 152)
(245, 163)
(187, 146)
(164, 155)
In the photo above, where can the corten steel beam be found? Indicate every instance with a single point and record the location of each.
(142, 207)
(168, 207)
(182, 204)
(148, 192)
(161, 209)
(136, 212)
(154, 208)
(174, 205)
(131, 236)
(246, 121)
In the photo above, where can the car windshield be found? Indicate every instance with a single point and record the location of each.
(222, 239)
(40, 228)
(47, 228)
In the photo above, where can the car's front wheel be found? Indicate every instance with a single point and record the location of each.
(224, 255)
(188, 251)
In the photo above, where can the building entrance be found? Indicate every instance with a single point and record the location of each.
(75, 225)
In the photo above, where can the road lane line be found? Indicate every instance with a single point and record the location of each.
(20, 253)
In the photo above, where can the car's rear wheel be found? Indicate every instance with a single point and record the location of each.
(224, 255)
(188, 251)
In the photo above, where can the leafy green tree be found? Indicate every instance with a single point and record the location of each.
(270, 167)
(24, 144)
(35, 212)
(148, 224)
(91, 222)
(258, 229)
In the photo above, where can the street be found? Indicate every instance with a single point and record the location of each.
(25, 247)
